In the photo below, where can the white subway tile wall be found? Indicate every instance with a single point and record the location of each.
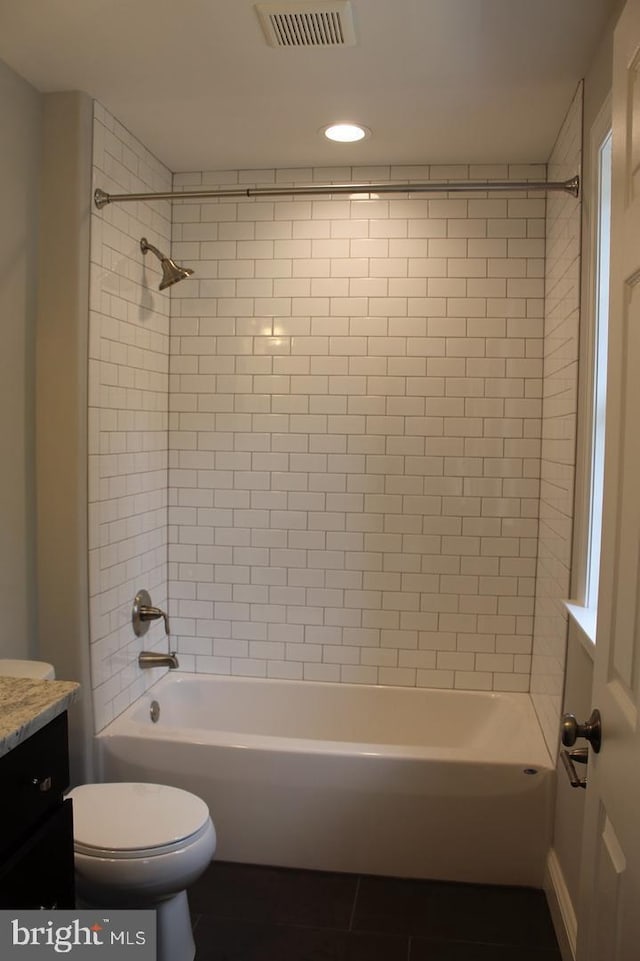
(128, 415)
(562, 316)
(355, 420)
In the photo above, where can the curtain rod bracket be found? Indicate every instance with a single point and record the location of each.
(101, 198)
(572, 186)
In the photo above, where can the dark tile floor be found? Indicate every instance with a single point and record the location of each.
(250, 913)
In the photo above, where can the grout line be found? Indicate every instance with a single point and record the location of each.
(355, 901)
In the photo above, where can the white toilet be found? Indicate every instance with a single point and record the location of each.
(36, 670)
(141, 846)
(137, 845)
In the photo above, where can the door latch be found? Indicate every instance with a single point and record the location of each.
(570, 759)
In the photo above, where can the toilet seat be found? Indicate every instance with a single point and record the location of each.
(91, 851)
(130, 820)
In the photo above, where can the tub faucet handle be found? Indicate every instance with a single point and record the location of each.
(143, 612)
(150, 613)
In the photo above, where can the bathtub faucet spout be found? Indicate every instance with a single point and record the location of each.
(156, 659)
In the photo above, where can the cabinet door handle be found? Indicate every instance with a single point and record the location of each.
(42, 783)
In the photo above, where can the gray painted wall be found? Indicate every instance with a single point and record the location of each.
(20, 136)
(61, 407)
(45, 170)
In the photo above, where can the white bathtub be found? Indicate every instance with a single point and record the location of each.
(452, 785)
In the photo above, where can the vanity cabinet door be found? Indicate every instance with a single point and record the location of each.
(34, 776)
(40, 874)
(36, 823)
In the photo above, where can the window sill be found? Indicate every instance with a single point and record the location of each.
(585, 620)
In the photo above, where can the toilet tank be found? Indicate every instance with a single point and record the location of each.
(37, 670)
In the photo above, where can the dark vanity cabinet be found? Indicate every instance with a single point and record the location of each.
(36, 827)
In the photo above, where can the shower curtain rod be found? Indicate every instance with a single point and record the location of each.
(572, 186)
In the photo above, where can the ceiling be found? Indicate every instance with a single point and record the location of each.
(437, 81)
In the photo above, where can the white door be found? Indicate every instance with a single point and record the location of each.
(609, 908)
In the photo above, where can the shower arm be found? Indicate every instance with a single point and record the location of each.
(571, 186)
(145, 246)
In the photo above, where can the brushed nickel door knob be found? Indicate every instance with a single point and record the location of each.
(591, 730)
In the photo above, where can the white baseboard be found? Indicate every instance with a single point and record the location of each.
(561, 907)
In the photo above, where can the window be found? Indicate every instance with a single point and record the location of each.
(603, 238)
(593, 380)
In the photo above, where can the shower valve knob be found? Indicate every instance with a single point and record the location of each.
(153, 614)
(144, 612)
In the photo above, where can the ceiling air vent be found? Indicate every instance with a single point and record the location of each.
(321, 24)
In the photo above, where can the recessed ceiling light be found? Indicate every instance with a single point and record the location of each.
(346, 132)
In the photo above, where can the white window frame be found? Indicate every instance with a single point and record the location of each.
(599, 373)
(583, 609)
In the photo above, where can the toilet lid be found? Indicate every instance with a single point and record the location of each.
(133, 817)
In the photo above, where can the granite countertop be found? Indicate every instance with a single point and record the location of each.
(26, 705)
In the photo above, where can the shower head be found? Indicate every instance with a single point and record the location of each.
(171, 272)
